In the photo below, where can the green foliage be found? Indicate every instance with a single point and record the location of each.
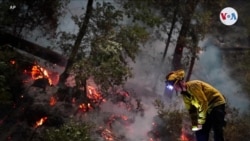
(66, 42)
(171, 121)
(107, 61)
(106, 17)
(69, 132)
(142, 12)
(107, 46)
(165, 14)
(130, 37)
(203, 22)
(30, 14)
(10, 75)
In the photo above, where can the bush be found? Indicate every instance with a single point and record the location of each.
(168, 123)
(11, 85)
(69, 132)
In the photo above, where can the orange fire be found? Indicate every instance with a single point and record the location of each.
(40, 122)
(184, 138)
(124, 117)
(94, 94)
(107, 135)
(184, 135)
(38, 72)
(85, 107)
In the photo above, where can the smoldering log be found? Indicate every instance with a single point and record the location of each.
(32, 48)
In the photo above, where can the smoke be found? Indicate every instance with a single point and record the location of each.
(142, 125)
(211, 68)
(148, 83)
(149, 73)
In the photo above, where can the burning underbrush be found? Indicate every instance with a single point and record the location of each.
(121, 115)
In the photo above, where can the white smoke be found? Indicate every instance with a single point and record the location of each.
(148, 82)
(211, 68)
(149, 74)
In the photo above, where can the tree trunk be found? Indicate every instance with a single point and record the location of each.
(77, 43)
(171, 29)
(195, 41)
(181, 41)
(84, 84)
(190, 70)
(32, 48)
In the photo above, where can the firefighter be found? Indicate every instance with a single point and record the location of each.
(205, 104)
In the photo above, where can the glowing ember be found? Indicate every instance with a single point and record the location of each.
(123, 119)
(40, 122)
(107, 135)
(52, 101)
(13, 62)
(151, 139)
(73, 100)
(82, 106)
(185, 136)
(94, 94)
(85, 107)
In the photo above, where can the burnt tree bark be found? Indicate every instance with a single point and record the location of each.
(181, 41)
(77, 43)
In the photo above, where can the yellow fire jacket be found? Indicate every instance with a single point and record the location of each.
(200, 99)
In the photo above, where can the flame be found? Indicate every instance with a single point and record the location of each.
(94, 94)
(114, 117)
(124, 117)
(85, 107)
(40, 122)
(184, 138)
(184, 135)
(107, 135)
(38, 72)
(52, 101)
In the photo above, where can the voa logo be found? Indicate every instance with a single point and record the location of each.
(228, 16)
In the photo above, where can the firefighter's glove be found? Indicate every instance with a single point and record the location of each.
(196, 127)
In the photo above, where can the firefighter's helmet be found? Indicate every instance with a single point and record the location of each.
(173, 77)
